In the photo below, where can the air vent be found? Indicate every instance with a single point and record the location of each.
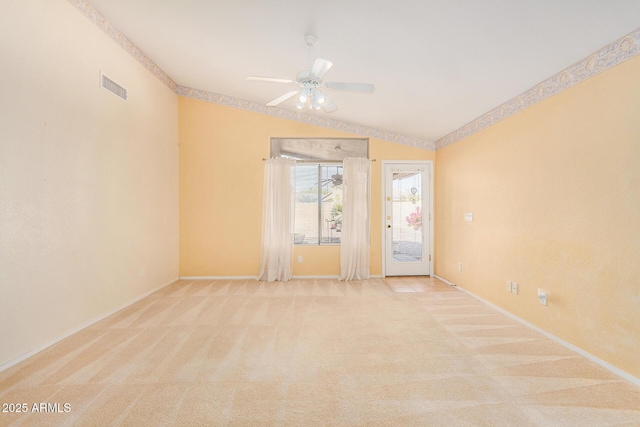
(113, 87)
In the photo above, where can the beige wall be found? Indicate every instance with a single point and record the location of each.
(221, 175)
(555, 194)
(88, 183)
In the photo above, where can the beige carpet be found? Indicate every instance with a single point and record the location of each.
(408, 352)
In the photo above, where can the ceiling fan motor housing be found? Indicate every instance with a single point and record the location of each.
(310, 40)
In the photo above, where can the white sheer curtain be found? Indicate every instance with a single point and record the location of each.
(276, 249)
(354, 242)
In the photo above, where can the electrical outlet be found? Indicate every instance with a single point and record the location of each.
(509, 286)
(542, 296)
(299, 258)
(142, 272)
(459, 266)
(514, 288)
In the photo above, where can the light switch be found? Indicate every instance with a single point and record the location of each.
(468, 217)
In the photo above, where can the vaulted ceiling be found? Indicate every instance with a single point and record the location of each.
(436, 65)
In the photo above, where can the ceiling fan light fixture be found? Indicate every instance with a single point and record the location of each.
(300, 105)
(315, 104)
(320, 98)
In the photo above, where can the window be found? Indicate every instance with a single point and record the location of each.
(318, 203)
(318, 188)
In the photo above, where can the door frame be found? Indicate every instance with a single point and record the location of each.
(383, 201)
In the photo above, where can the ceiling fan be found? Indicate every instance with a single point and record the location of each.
(312, 88)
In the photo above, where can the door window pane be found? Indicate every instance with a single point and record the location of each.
(406, 231)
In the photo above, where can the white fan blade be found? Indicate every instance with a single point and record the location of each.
(320, 68)
(269, 79)
(328, 105)
(283, 98)
(351, 87)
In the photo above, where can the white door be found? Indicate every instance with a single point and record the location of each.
(407, 219)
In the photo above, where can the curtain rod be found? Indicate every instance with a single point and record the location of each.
(315, 161)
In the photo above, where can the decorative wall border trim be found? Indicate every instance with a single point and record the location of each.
(322, 121)
(101, 22)
(609, 56)
(116, 35)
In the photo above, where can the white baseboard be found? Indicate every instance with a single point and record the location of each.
(377, 276)
(617, 371)
(256, 277)
(84, 325)
(218, 277)
(442, 279)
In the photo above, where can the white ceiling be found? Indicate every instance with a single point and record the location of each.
(436, 64)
